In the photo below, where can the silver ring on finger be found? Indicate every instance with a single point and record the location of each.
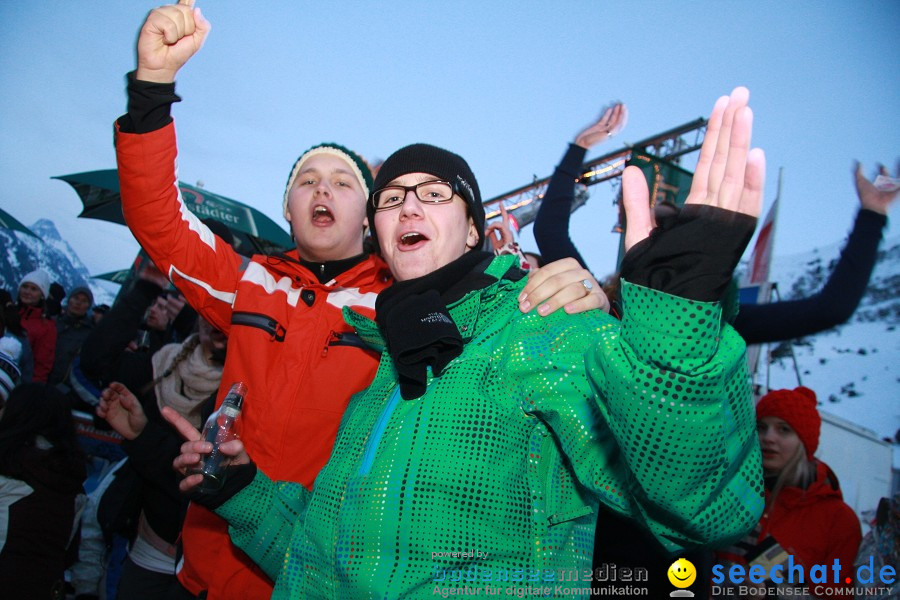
(588, 286)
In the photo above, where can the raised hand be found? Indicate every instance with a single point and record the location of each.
(174, 303)
(500, 233)
(611, 122)
(170, 36)
(122, 411)
(871, 196)
(150, 273)
(192, 451)
(729, 175)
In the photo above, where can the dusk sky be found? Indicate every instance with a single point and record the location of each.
(506, 85)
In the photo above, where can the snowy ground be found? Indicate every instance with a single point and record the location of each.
(855, 371)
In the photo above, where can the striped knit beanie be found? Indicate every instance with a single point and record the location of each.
(797, 408)
(356, 162)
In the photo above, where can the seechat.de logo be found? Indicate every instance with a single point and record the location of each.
(818, 580)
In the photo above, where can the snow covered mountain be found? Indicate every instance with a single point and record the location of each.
(22, 253)
(854, 368)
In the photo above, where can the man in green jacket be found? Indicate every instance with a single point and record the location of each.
(479, 454)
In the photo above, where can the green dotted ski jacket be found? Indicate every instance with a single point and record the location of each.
(494, 475)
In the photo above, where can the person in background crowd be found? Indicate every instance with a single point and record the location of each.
(501, 240)
(73, 326)
(836, 302)
(187, 377)
(551, 225)
(154, 329)
(10, 376)
(98, 312)
(14, 338)
(184, 376)
(41, 474)
(157, 322)
(805, 514)
(880, 546)
(290, 344)
(33, 291)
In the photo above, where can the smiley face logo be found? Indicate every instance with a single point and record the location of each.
(682, 573)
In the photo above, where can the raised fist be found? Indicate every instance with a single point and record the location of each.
(170, 36)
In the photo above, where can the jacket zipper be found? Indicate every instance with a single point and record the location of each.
(332, 335)
(260, 321)
(378, 432)
(344, 339)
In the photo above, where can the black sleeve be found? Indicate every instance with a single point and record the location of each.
(103, 356)
(692, 255)
(152, 453)
(551, 225)
(836, 301)
(149, 106)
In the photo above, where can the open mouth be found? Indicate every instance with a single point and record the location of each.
(412, 238)
(321, 214)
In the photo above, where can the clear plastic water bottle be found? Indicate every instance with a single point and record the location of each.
(222, 426)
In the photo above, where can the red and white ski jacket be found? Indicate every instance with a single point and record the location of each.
(287, 341)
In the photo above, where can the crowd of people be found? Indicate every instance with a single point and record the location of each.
(417, 406)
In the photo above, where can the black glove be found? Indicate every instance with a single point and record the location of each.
(237, 477)
(692, 255)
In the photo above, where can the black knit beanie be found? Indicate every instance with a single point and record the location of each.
(425, 158)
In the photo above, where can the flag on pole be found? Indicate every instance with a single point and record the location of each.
(755, 287)
(761, 256)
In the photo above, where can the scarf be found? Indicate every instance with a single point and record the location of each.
(416, 324)
(184, 385)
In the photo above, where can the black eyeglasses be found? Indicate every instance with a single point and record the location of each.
(429, 192)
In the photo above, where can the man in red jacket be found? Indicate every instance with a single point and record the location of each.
(287, 339)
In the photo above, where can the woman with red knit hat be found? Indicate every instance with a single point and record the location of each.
(805, 512)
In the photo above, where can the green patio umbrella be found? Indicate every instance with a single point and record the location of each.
(7, 221)
(121, 277)
(99, 193)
